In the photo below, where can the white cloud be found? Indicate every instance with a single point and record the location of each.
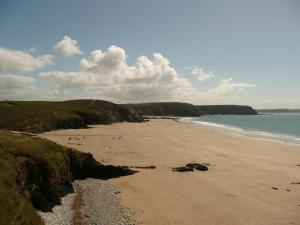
(101, 62)
(201, 75)
(65, 81)
(227, 87)
(108, 75)
(68, 47)
(16, 87)
(18, 61)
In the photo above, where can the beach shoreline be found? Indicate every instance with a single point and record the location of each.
(249, 180)
(267, 136)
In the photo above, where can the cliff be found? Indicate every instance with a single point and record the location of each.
(227, 109)
(188, 110)
(35, 173)
(165, 109)
(33, 116)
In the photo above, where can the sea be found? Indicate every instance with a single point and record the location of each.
(281, 126)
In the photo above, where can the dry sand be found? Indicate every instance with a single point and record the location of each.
(236, 190)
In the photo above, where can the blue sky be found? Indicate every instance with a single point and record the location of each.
(252, 49)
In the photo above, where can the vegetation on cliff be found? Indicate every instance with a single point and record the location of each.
(165, 109)
(35, 173)
(33, 116)
(185, 109)
(227, 109)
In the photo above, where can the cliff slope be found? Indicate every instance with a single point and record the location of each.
(35, 173)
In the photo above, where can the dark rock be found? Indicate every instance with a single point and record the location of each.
(182, 169)
(275, 188)
(295, 183)
(144, 167)
(197, 166)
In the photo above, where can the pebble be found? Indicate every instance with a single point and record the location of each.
(101, 205)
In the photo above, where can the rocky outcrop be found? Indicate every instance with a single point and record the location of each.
(45, 185)
(197, 166)
(190, 167)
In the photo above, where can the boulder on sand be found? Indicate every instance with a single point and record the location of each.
(197, 166)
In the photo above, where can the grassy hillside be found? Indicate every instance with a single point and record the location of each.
(35, 173)
(165, 109)
(44, 116)
(185, 109)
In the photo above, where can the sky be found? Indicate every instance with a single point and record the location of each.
(202, 52)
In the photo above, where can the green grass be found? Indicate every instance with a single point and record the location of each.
(35, 173)
(165, 109)
(32, 169)
(188, 110)
(14, 206)
(34, 116)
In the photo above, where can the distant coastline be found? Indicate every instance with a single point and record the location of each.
(277, 110)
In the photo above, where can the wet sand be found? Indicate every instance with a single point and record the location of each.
(249, 180)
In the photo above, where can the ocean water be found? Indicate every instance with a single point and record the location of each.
(282, 126)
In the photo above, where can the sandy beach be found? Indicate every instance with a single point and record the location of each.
(249, 180)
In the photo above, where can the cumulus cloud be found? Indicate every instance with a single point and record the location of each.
(68, 47)
(105, 62)
(65, 81)
(227, 86)
(108, 75)
(201, 75)
(16, 87)
(18, 61)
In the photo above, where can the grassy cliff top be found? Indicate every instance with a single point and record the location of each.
(188, 110)
(165, 109)
(15, 190)
(35, 116)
